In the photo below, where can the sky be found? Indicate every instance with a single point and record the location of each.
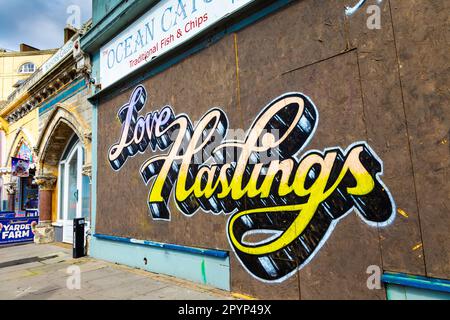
(39, 23)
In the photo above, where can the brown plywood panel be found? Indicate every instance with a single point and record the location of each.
(242, 282)
(122, 205)
(386, 126)
(422, 35)
(306, 48)
(334, 87)
(251, 103)
(339, 271)
(202, 82)
(193, 87)
(300, 34)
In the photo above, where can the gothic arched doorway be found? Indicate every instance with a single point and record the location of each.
(64, 173)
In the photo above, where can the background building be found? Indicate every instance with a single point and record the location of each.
(46, 121)
(16, 67)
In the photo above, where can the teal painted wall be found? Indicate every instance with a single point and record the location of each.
(100, 8)
(205, 270)
(75, 87)
(109, 17)
(397, 292)
(95, 74)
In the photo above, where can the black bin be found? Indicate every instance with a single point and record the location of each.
(78, 238)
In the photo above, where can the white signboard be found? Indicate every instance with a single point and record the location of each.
(166, 26)
(58, 56)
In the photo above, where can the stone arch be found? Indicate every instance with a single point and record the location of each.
(56, 133)
(22, 136)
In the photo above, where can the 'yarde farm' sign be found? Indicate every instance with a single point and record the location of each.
(167, 25)
(283, 201)
(15, 230)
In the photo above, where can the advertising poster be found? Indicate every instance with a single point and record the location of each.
(20, 168)
(17, 230)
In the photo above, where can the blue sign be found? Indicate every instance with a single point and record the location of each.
(17, 230)
(7, 214)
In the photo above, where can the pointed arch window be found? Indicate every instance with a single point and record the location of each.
(25, 152)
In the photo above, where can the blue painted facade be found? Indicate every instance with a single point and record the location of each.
(101, 8)
(208, 268)
(74, 88)
(409, 287)
(399, 292)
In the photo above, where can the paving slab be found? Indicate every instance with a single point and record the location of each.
(47, 278)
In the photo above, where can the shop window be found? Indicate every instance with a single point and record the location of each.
(73, 191)
(74, 188)
(29, 192)
(61, 190)
(86, 201)
(70, 146)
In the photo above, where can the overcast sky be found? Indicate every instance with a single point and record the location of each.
(39, 23)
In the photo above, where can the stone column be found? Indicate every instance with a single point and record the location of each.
(87, 171)
(44, 231)
(11, 189)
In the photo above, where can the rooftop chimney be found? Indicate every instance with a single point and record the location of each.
(69, 32)
(26, 48)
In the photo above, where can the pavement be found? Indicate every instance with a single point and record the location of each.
(48, 272)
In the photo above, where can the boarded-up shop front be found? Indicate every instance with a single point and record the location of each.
(292, 150)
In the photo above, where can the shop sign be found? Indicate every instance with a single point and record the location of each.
(17, 230)
(59, 56)
(166, 26)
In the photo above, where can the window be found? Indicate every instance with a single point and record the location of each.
(25, 153)
(29, 193)
(28, 67)
(74, 187)
(70, 148)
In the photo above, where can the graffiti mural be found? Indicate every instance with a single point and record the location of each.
(282, 207)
